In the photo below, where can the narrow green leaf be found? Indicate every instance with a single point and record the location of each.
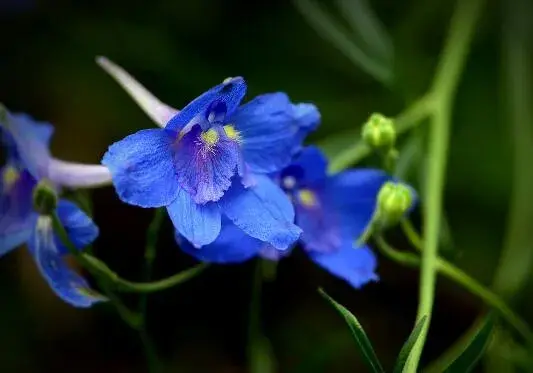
(474, 348)
(465, 353)
(408, 345)
(358, 333)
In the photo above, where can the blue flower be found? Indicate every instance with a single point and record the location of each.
(331, 210)
(28, 161)
(211, 160)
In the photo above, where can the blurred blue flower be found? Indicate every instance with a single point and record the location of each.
(332, 212)
(211, 160)
(28, 161)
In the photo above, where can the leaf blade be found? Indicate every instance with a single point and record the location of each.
(358, 333)
(408, 345)
(463, 356)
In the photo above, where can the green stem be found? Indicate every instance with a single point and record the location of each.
(98, 268)
(133, 319)
(443, 91)
(102, 272)
(473, 286)
(149, 258)
(404, 122)
(412, 234)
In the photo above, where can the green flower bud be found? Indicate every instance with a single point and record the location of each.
(393, 201)
(379, 132)
(44, 198)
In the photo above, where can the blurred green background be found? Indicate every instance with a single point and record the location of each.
(178, 49)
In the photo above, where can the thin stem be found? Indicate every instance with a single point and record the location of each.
(98, 268)
(412, 234)
(149, 258)
(130, 317)
(443, 90)
(406, 120)
(473, 286)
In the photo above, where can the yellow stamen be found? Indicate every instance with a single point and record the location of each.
(10, 176)
(307, 198)
(210, 137)
(232, 133)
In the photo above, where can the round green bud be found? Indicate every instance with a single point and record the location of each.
(393, 201)
(379, 131)
(44, 198)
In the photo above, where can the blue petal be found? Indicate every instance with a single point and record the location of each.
(308, 119)
(353, 196)
(142, 168)
(17, 217)
(262, 211)
(27, 142)
(80, 228)
(66, 283)
(269, 127)
(205, 169)
(230, 93)
(344, 207)
(357, 266)
(321, 226)
(231, 246)
(313, 163)
(199, 224)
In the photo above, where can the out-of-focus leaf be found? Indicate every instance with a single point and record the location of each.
(408, 345)
(465, 354)
(368, 28)
(367, 351)
(331, 31)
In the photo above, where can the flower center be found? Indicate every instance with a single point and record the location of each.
(307, 198)
(232, 133)
(10, 176)
(210, 137)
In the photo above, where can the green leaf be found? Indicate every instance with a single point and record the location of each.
(358, 333)
(408, 345)
(463, 356)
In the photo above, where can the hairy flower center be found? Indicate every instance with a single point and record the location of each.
(307, 198)
(210, 137)
(232, 133)
(10, 177)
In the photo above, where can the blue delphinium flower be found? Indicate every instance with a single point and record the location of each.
(331, 210)
(28, 162)
(210, 162)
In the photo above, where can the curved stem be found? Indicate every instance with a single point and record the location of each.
(130, 317)
(412, 234)
(457, 275)
(444, 87)
(99, 268)
(102, 272)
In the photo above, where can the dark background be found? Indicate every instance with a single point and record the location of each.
(178, 49)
